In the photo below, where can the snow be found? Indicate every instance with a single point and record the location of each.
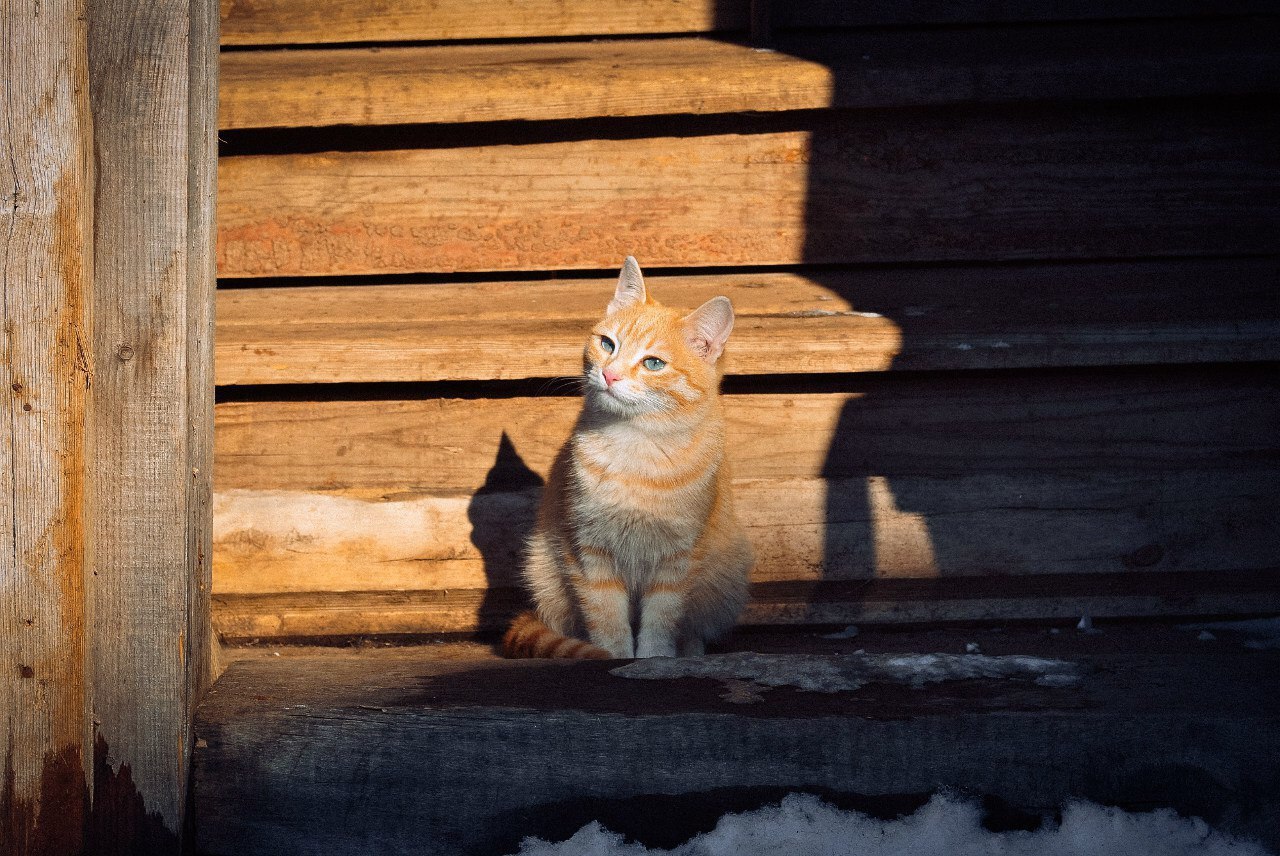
(803, 825)
(1260, 634)
(848, 633)
(745, 670)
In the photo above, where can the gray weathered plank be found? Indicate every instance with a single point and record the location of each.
(46, 273)
(152, 83)
(401, 754)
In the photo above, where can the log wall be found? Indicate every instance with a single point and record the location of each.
(1005, 282)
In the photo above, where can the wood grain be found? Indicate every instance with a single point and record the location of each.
(840, 321)
(1089, 180)
(478, 83)
(914, 478)
(951, 425)
(152, 382)
(46, 278)
(339, 617)
(541, 81)
(393, 743)
(271, 22)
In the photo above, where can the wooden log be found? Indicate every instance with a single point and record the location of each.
(1151, 178)
(153, 78)
(272, 22)
(906, 526)
(338, 617)
(474, 83)
(46, 279)
(847, 321)
(1139, 419)
(401, 752)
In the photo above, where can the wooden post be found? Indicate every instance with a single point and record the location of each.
(106, 173)
(46, 274)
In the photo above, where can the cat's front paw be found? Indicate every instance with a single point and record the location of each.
(655, 648)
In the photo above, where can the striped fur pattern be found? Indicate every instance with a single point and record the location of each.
(636, 546)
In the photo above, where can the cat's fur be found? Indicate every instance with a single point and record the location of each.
(636, 546)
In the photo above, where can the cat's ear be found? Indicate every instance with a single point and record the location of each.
(707, 328)
(631, 289)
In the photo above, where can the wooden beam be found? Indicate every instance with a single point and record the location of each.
(46, 279)
(1088, 180)
(340, 617)
(1188, 311)
(153, 80)
(282, 22)
(574, 80)
(477, 83)
(946, 426)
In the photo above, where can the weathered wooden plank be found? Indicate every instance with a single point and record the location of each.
(152, 80)
(1063, 181)
(802, 529)
(1133, 420)
(358, 751)
(270, 22)
(201, 645)
(46, 277)
(328, 617)
(1215, 310)
(472, 83)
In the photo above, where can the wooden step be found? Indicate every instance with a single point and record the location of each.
(280, 22)
(910, 478)
(1074, 181)
(477, 83)
(911, 319)
(401, 751)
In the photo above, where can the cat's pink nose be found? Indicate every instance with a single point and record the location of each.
(609, 377)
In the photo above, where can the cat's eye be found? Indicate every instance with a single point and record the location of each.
(653, 364)
(607, 344)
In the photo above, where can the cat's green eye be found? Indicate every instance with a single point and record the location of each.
(653, 364)
(607, 344)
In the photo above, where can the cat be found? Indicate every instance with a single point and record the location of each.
(636, 551)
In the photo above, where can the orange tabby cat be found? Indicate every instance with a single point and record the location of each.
(636, 546)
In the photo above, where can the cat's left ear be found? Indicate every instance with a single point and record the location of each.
(707, 328)
(631, 290)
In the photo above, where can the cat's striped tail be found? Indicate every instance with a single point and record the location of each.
(529, 637)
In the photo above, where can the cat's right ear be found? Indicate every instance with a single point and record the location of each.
(631, 290)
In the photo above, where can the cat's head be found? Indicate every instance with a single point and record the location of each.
(644, 357)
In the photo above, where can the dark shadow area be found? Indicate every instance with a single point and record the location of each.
(502, 513)
(1013, 192)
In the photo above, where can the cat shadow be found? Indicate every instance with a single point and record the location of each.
(502, 513)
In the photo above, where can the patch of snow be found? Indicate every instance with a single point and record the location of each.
(803, 825)
(1205, 636)
(972, 648)
(1260, 634)
(847, 672)
(1086, 625)
(848, 633)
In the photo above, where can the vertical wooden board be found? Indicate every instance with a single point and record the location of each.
(202, 180)
(46, 194)
(149, 342)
